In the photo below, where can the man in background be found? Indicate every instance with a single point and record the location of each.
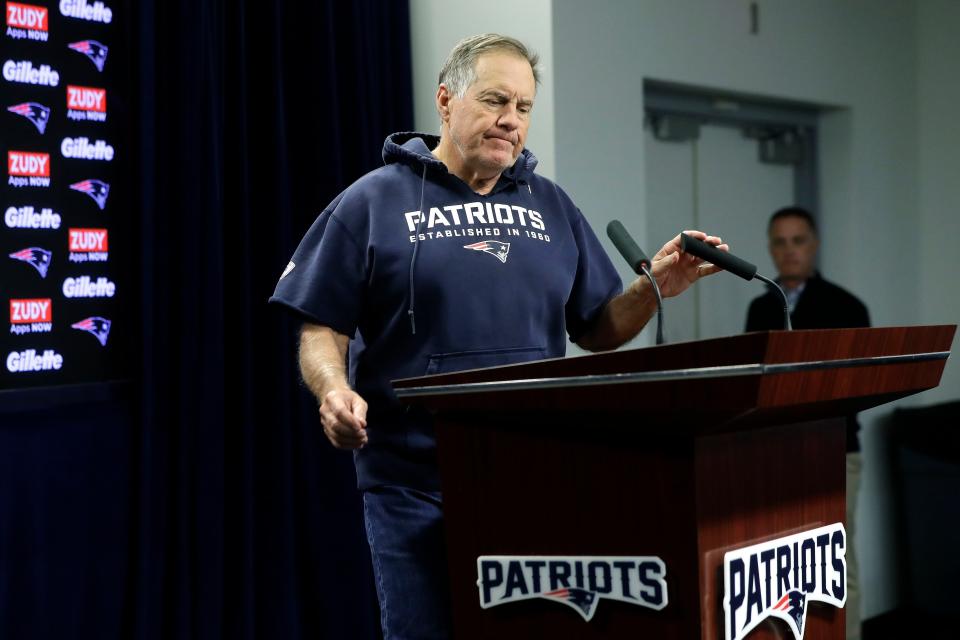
(814, 303)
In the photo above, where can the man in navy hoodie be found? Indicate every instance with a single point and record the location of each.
(454, 255)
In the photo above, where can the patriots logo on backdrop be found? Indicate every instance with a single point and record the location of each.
(35, 112)
(96, 189)
(498, 250)
(96, 326)
(39, 258)
(96, 51)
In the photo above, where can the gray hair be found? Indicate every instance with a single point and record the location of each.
(460, 69)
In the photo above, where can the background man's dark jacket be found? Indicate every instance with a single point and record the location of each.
(822, 305)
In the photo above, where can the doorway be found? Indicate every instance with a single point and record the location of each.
(722, 163)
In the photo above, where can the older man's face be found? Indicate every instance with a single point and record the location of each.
(488, 125)
(793, 247)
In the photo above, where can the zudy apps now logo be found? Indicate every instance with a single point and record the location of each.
(27, 22)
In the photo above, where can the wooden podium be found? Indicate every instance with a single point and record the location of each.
(682, 451)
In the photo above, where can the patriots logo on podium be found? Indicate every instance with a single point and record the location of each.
(579, 582)
(39, 258)
(779, 578)
(498, 250)
(585, 602)
(96, 189)
(35, 112)
(792, 609)
(96, 51)
(96, 326)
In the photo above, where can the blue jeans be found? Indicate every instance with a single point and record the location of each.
(405, 532)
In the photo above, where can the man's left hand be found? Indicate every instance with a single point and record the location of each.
(675, 271)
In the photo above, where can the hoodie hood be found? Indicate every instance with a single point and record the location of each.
(413, 148)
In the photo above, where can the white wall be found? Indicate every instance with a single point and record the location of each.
(855, 55)
(437, 25)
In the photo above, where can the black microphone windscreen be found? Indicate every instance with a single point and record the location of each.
(625, 244)
(722, 259)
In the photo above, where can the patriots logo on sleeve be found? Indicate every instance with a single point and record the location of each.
(498, 250)
(35, 112)
(96, 189)
(96, 326)
(96, 51)
(39, 258)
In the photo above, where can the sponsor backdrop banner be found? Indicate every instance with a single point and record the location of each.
(65, 205)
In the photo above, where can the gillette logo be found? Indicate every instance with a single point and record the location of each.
(30, 218)
(25, 72)
(83, 10)
(83, 149)
(88, 245)
(27, 22)
(28, 361)
(86, 287)
(86, 103)
(28, 169)
(31, 316)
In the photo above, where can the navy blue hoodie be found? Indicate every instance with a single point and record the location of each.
(428, 277)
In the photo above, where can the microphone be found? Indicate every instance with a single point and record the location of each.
(723, 259)
(729, 262)
(625, 244)
(638, 261)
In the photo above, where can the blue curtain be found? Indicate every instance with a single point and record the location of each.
(205, 502)
(260, 113)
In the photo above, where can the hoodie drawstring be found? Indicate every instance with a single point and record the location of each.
(413, 257)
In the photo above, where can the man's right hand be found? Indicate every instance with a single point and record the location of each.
(344, 418)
